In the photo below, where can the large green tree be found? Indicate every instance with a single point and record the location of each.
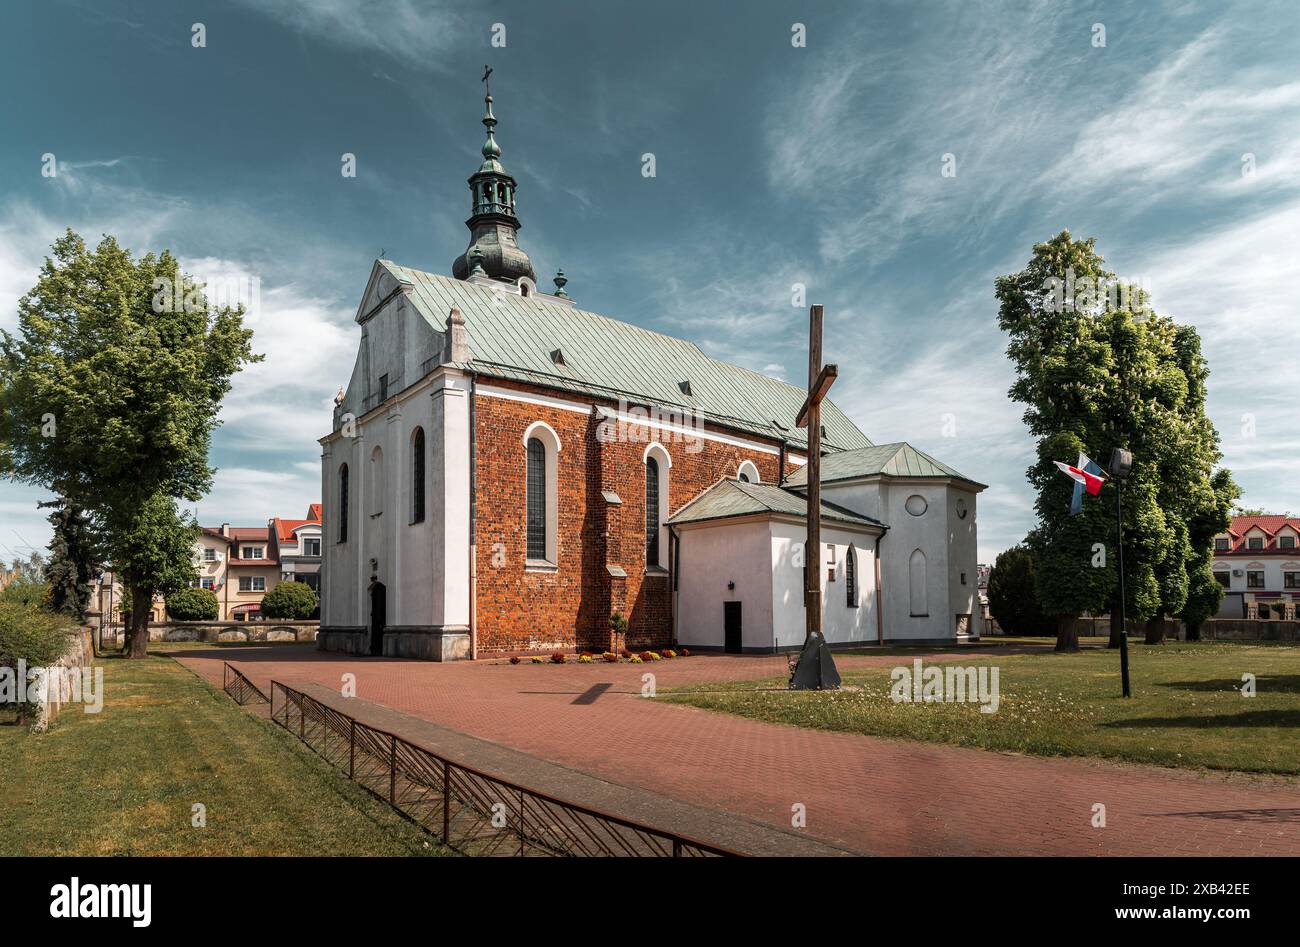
(109, 393)
(1098, 369)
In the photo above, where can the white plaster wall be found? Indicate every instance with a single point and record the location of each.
(963, 556)
(711, 556)
(424, 566)
(840, 622)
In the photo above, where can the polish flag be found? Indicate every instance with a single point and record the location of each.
(1091, 482)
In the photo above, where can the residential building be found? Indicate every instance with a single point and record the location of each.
(298, 547)
(1258, 561)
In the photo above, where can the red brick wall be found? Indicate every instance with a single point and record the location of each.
(569, 608)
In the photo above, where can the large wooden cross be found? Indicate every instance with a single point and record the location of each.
(820, 379)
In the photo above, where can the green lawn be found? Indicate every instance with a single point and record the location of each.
(1187, 709)
(123, 781)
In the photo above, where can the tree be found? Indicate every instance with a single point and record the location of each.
(1012, 598)
(191, 604)
(109, 393)
(26, 590)
(290, 600)
(73, 563)
(1098, 369)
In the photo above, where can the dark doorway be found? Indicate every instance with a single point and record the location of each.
(731, 627)
(378, 617)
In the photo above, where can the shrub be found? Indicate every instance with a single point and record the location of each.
(611, 657)
(684, 653)
(25, 590)
(538, 659)
(635, 659)
(585, 659)
(1012, 601)
(617, 623)
(668, 653)
(514, 659)
(558, 657)
(291, 600)
(193, 605)
(626, 653)
(649, 656)
(29, 634)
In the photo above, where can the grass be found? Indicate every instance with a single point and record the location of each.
(123, 781)
(1187, 709)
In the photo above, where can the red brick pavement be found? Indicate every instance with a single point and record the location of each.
(869, 794)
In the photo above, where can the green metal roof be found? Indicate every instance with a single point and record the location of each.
(728, 498)
(512, 337)
(890, 460)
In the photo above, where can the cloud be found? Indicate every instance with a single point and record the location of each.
(416, 33)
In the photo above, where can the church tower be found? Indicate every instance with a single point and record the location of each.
(493, 249)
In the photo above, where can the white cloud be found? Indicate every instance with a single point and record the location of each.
(416, 33)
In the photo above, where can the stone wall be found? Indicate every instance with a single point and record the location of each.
(58, 690)
(268, 630)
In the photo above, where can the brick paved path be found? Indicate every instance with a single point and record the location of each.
(868, 794)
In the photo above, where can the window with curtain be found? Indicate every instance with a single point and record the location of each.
(536, 499)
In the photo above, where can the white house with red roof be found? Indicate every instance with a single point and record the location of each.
(1258, 561)
(297, 545)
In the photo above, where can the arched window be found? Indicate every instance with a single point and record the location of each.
(748, 472)
(536, 499)
(417, 476)
(916, 585)
(375, 482)
(651, 512)
(541, 465)
(851, 576)
(657, 464)
(343, 503)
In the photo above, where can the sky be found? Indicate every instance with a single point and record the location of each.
(1170, 131)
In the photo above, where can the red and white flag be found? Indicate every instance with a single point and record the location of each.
(1081, 474)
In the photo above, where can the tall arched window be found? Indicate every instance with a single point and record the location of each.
(657, 500)
(916, 584)
(542, 502)
(651, 512)
(417, 476)
(343, 503)
(851, 576)
(536, 499)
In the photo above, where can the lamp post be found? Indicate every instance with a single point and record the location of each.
(1121, 463)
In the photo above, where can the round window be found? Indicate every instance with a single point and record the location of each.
(916, 504)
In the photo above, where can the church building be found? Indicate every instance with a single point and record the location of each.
(508, 472)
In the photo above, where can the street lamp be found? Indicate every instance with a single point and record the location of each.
(1121, 463)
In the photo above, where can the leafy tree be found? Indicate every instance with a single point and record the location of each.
(27, 591)
(73, 563)
(1098, 369)
(191, 604)
(291, 600)
(109, 393)
(1012, 598)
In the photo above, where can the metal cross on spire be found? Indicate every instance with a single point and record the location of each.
(487, 78)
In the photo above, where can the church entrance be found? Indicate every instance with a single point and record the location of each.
(731, 627)
(378, 618)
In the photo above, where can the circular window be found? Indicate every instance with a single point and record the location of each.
(916, 504)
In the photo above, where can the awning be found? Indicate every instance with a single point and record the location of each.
(248, 607)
